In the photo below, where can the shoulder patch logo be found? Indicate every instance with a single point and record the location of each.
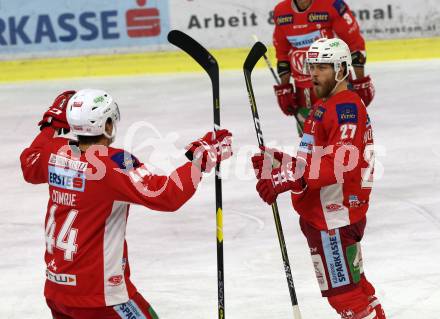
(319, 113)
(347, 113)
(340, 6)
(125, 160)
(285, 19)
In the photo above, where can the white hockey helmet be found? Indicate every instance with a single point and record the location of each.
(332, 51)
(88, 111)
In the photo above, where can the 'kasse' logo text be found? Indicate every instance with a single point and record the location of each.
(334, 256)
(337, 270)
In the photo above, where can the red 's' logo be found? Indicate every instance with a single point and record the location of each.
(143, 22)
(77, 182)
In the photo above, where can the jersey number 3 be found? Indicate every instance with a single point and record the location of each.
(65, 240)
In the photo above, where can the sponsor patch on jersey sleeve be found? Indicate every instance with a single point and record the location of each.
(347, 113)
(340, 6)
(284, 19)
(319, 113)
(306, 144)
(125, 161)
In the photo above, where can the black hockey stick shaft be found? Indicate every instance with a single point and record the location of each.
(210, 65)
(278, 81)
(257, 51)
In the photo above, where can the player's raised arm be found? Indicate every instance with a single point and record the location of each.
(133, 182)
(54, 120)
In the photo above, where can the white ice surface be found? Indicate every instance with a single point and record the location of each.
(173, 256)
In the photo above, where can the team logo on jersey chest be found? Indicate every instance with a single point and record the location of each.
(318, 17)
(285, 19)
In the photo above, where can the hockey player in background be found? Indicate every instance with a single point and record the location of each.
(330, 181)
(91, 186)
(298, 23)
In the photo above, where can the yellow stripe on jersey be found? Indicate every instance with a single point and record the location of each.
(176, 62)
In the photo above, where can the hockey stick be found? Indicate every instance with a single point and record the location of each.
(269, 65)
(257, 51)
(210, 65)
(278, 81)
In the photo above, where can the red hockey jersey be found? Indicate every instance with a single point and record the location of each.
(295, 31)
(89, 199)
(338, 147)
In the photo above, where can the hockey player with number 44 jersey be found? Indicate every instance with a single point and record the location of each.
(91, 187)
(298, 23)
(330, 181)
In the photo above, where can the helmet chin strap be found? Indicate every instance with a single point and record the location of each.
(338, 82)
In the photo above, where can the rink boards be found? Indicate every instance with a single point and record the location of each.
(172, 62)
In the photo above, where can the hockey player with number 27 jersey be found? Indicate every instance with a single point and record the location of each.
(330, 182)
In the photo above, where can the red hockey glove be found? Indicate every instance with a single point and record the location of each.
(286, 98)
(364, 88)
(206, 152)
(274, 181)
(55, 116)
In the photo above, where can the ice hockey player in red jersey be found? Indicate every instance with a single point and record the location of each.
(298, 23)
(330, 181)
(91, 187)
